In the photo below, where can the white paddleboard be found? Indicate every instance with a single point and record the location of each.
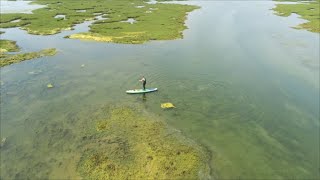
(139, 91)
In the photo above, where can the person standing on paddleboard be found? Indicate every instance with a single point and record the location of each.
(144, 82)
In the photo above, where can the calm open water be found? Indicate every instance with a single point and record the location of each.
(245, 84)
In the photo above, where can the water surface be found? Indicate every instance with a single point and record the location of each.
(245, 84)
(18, 6)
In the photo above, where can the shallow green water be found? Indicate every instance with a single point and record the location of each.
(246, 87)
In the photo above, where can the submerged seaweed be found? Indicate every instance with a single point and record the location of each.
(133, 145)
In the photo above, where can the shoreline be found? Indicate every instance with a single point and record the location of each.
(308, 11)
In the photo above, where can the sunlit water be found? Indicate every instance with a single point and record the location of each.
(18, 6)
(245, 86)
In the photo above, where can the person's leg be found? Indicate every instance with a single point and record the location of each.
(144, 86)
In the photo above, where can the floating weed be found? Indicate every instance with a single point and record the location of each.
(167, 105)
(50, 86)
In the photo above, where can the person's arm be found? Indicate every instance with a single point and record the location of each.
(141, 80)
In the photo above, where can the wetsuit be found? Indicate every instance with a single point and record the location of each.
(144, 82)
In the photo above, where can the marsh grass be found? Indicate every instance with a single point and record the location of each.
(8, 46)
(309, 11)
(7, 59)
(157, 21)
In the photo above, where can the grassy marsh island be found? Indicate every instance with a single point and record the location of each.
(11, 46)
(150, 21)
(8, 46)
(308, 10)
(134, 145)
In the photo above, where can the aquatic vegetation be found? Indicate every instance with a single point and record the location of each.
(167, 105)
(94, 37)
(7, 59)
(11, 46)
(133, 145)
(8, 46)
(309, 11)
(50, 86)
(152, 21)
(3, 142)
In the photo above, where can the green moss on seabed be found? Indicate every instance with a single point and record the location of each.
(309, 11)
(7, 59)
(8, 46)
(152, 21)
(134, 146)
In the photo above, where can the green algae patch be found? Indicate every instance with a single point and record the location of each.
(167, 105)
(8, 46)
(309, 11)
(50, 86)
(133, 145)
(7, 59)
(125, 21)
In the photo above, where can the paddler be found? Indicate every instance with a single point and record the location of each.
(144, 82)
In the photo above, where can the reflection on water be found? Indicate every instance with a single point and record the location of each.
(18, 6)
(60, 16)
(144, 97)
(81, 10)
(130, 20)
(15, 21)
(240, 88)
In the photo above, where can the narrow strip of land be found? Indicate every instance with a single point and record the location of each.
(7, 46)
